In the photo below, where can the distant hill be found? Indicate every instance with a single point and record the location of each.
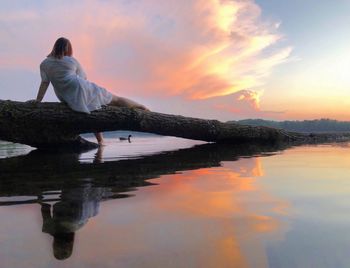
(319, 125)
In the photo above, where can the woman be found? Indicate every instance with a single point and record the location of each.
(71, 85)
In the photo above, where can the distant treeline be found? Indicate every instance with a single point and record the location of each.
(319, 125)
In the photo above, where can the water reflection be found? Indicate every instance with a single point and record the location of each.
(68, 215)
(9, 149)
(238, 214)
(212, 186)
(40, 173)
(205, 209)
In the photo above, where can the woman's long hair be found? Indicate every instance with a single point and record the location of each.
(62, 47)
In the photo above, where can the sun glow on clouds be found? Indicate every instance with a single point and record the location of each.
(197, 49)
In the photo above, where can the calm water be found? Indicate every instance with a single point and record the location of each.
(205, 206)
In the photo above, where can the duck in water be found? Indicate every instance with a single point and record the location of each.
(125, 139)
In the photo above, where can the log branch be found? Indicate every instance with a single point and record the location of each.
(55, 125)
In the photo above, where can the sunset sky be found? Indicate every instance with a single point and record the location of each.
(223, 59)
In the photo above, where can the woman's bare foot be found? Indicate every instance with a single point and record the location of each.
(99, 155)
(102, 143)
(142, 107)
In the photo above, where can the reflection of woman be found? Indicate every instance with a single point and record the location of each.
(71, 85)
(77, 205)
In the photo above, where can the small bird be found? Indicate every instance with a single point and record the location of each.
(125, 139)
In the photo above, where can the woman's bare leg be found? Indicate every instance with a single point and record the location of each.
(124, 102)
(99, 138)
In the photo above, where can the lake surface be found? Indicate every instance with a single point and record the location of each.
(168, 202)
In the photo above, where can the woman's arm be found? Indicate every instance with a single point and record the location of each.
(45, 82)
(42, 90)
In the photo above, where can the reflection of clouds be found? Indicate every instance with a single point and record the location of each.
(220, 196)
(246, 167)
(232, 198)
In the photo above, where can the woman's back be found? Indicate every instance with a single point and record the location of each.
(60, 71)
(70, 84)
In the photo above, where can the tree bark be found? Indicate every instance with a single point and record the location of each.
(55, 125)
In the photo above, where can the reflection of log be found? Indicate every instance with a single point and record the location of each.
(45, 125)
(39, 172)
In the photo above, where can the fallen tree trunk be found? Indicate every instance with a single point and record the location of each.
(54, 125)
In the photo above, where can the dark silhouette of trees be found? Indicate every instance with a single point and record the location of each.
(317, 125)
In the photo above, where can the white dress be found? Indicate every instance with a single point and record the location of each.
(70, 84)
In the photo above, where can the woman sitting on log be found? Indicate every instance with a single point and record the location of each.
(71, 85)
